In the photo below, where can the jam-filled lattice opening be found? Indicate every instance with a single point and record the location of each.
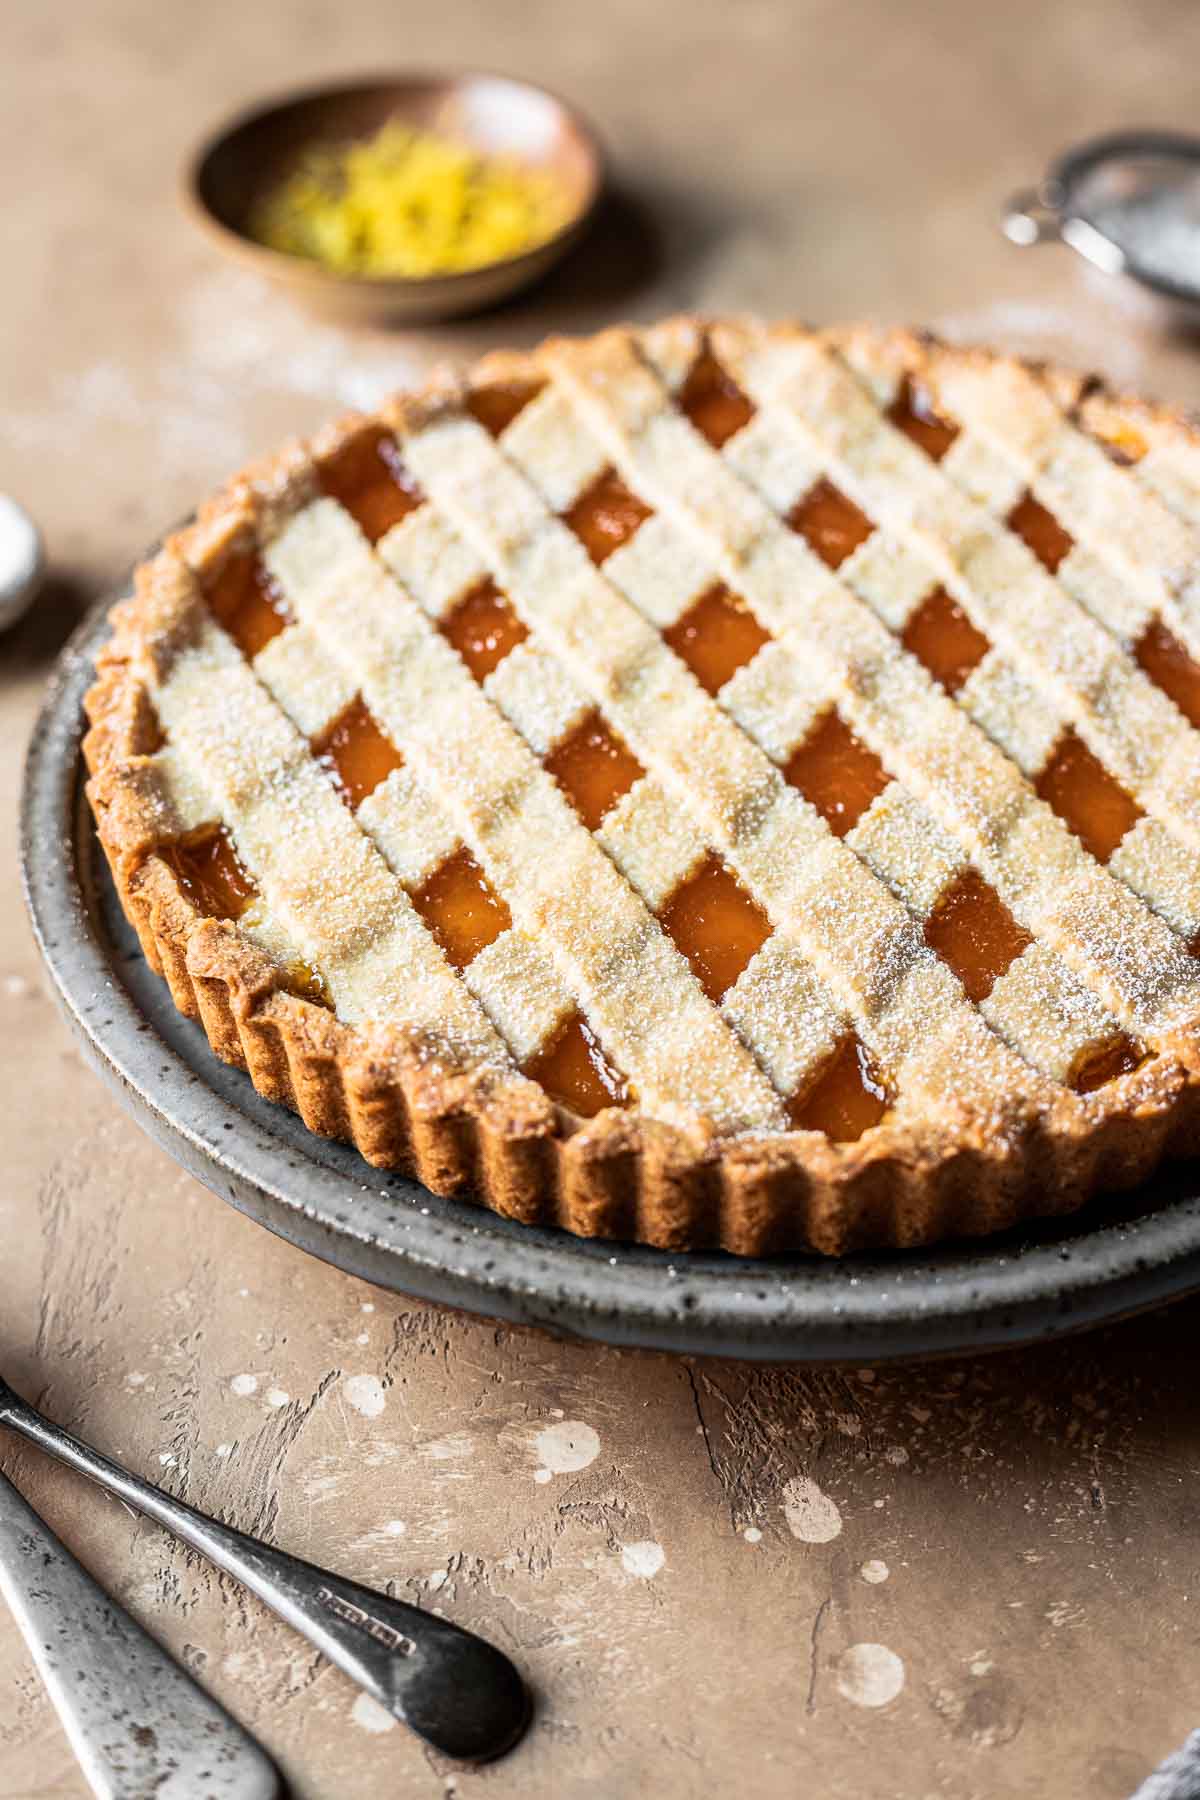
(1105, 1062)
(713, 401)
(606, 515)
(913, 413)
(461, 908)
(716, 637)
(973, 931)
(356, 753)
(845, 1098)
(248, 604)
(593, 768)
(716, 924)
(1086, 797)
(484, 628)
(1041, 531)
(830, 523)
(497, 403)
(369, 479)
(211, 874)
(1164, 659)
(940, 635)
(575, 1072)
(836, 773)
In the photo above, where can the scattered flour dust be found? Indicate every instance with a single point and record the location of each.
(644, 1559)
(811, 1515)
(370, 1716)
(244, 1385)
(365, 1394)
(235, 340)
(277, 1397)
(564, 1449)
(869, 1675)
(875, 1571)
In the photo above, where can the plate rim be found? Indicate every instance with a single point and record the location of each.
(1023, 1288)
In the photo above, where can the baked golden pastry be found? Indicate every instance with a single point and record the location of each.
(716, 784)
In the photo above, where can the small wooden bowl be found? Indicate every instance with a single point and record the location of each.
(234, 169)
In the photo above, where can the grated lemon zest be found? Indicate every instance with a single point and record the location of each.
(409, 203)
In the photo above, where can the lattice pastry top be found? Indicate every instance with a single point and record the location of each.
(714, 783)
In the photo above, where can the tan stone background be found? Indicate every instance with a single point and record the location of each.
(680, 1556)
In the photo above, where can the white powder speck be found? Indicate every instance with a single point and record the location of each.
(874, 1571)
(752, 1534)
(243, 1293)
(370, 1716)
(277, 1397)
(364, 1337)
(811, 1515)
(167, 1460)
(542, 1476)
(224, 1450)
(368, 1306)
(135, 1379)
(395, 1528)
(982, 1665)
(644, 1559)
(869, 1674)
(437, 1580)
(565, 1448)
(365, 1394)
(16, 987)
(244, 1385)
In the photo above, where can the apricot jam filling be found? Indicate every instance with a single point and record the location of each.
(836, 772)
(248, 604)
(940, 635)
(575, 1072)
(1041, 531)
(497, 403)
(1119, 1056)
(845, 1099)
(1163, 658)
(713, 401)
(1086, 797)
(210, 874)
(973, 931)
(357, 753)
(606, 515)
(593, 768)
(912, 412)
(461, 909)
(368, 478)
(716, 924)
(830, 523)
(483, 629)
(716, 637)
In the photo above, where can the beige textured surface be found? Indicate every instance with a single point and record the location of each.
(1035, 1513)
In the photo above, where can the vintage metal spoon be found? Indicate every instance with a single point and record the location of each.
(457, 1692)
(135, 1719)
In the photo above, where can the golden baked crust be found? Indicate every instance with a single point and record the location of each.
(984, 1124)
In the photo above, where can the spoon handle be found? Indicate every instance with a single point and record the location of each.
(454, 1690)
(136, 1721)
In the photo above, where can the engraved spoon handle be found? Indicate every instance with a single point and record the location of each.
(136, 1721)
(454, 1690)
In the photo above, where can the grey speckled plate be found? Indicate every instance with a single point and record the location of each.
(1118, 1258)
